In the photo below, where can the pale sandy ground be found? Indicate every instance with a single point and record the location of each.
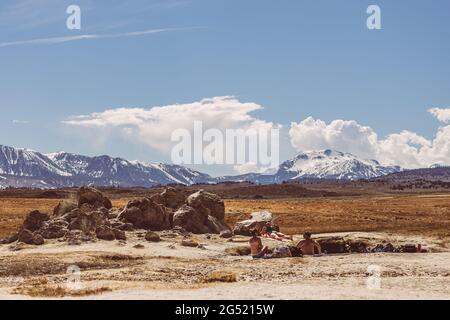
(167, 270)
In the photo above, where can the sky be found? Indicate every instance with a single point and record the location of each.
(137, 70)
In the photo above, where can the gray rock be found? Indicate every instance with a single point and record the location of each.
(257, 220)
(191, 220)
(152, 237)
(105, 233)
(209, 204)
(92, 197)
(146, 214)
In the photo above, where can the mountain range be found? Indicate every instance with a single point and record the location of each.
(27, 168)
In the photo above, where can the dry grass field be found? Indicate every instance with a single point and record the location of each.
(427, 215)
(404, 214)
(168, 270)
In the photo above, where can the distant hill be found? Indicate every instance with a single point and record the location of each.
(429, 174)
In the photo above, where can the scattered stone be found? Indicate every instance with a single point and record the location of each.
(119, 234)
(226, 234)
(182, 231)
(35, 220)
(122, 225)
(105, 233)
(139, 246)
(38, 240)
(54, 229)
(76, 237)
(88, 222)
(189, 243)
(152, 237)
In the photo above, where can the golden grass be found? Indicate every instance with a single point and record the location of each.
(401, 214)
(13, 210)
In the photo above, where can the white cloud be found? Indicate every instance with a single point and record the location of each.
(57, 40)
(349, 136)
(406, 148)
(443, 115)
(20, 122)
(154, 126)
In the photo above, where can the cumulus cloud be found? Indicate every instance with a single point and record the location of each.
(312, 134)
(406, 149)
(154, 126)
(443, 115)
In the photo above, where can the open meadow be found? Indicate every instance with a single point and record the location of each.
(139, 269)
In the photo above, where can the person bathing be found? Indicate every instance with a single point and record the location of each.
(308, 246)
(257, 249)
(268, 231)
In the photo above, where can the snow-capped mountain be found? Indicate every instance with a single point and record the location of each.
(27, 163)
(326, 164)
(330, 164)
(27, 168)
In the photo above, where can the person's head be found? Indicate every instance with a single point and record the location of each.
(307, 235)
(254, 233)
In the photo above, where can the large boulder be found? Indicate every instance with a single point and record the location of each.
(89, 221)
(191, 220)
(257, 221)
(171, 198)
(146, 214)
(93, 197)
(26, 236)
(35, 220)
(209, 204)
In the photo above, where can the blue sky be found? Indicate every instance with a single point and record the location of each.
(297, 59)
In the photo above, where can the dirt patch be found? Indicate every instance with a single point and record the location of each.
(39, 264)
